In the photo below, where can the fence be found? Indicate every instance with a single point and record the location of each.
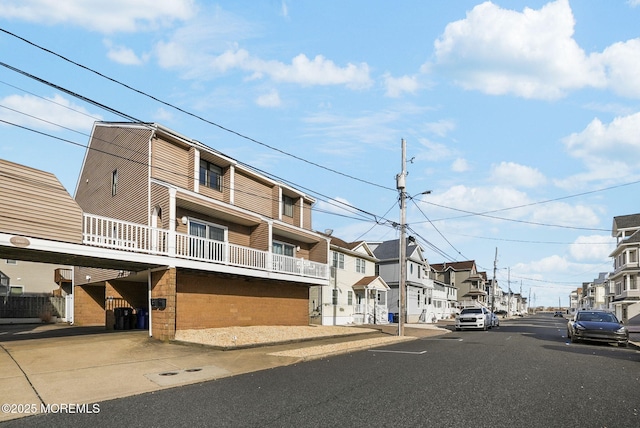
(43, 307)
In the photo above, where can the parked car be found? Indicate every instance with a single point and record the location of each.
(495, 321)
(473, 318)
(558, 314)
(598, 326)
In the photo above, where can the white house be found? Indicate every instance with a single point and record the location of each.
(355, 295)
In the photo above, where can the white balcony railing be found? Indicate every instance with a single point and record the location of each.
(121, 235)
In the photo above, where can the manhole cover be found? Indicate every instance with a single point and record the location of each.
(192, 370)
(168, 374)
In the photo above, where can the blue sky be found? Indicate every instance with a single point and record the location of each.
(521, 117)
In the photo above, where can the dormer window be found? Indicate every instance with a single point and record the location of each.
(210, 175)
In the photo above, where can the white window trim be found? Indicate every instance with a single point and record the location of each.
(208, 224)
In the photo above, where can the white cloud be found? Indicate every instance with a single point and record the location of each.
(270, 99)
(633, 3)
(563, 214)
(600, 143)
(53, 111)
(114, 15)
(396, 86)
(123, 55)
(594, 248)
(316, 71)
(460, 165)
(496, 198)
(441, 128)
(622, 61)
(509, 173)
(531, 54)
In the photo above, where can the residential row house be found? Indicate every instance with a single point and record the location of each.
(469, 283)
(240, 246)
(356, 294)
(623, 296)
(426, 300)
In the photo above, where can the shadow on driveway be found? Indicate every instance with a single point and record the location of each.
(14, 332)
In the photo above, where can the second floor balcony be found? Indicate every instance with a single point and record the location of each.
(126, 236)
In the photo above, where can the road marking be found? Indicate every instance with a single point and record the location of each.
(508, 338)
(398, 352)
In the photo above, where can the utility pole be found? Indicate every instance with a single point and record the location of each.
(493, 283)
(401, 181)
(509, 284)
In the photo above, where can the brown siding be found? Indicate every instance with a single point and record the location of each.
(318, 252)
(238, 234)
(34, 203)
(125, 149)
(260, 237)
(80, 274)
(160, 198)
(253, 195)
(224, 193)
(211, 301)
(170, 162)
(306, 221)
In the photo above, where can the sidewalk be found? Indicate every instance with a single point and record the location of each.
(59, 364)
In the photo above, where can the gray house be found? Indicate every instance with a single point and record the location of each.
(419, 297)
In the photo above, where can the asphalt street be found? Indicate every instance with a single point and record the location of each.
(522, 374)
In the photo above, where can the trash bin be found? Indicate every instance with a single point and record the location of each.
(119, 314)
(395, 318)
(390, 318)
(141, 318)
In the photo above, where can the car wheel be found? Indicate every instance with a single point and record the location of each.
(573, 339)
(623, 344)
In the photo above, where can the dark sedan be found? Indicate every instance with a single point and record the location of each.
(597, 326)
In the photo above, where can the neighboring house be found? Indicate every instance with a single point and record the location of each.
(355, 295)
(574, 299)
(624, 280)
(31, 278)
(593, 293)
(34, 206)
(240, 246)
(470, 283)
(419, 305)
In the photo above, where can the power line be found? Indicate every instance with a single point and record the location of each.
(210, 122)
(513, 220)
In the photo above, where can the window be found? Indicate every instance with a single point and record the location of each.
(338, 260)
(334, 297)
(349, 298)
(12, 262)
(360, 266)
(204, 248)
(114, 182)
(210, 175)
(287, 206)
(283, 249)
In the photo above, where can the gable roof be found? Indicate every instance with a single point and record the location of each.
(456, 266)
(629, 221)
(371, 282)
(354, 248)
(390, 250)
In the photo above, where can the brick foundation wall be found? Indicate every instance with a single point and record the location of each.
(88, 303)
(212, 301)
